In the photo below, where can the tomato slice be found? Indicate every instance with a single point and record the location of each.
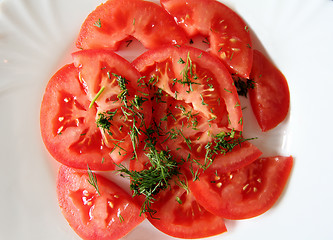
(114, 21)
(246, 192)
(270, 97)
(195, 78)
(190, 111)
(180, 215)
(124, 95)
(66, 123)
(109, 213)
(78, 130)
(228, 34)
(177, 212)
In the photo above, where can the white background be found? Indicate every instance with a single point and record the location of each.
(36, 38)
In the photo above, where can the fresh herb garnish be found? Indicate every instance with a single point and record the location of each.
(151, 181)
(243, 85)
(93, 180)
(98, 23)
(96, 97)
(222, 143)
(104, 120)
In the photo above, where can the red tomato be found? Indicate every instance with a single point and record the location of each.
(246, 192)
(114, 21)
(195, 78)
(69, 116)
(108, 213)
(188, 112)
(178, 213)
(228, 34)
(270, 96)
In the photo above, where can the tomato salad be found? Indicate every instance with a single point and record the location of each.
(171, 121)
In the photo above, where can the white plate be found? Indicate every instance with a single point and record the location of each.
(36, 39)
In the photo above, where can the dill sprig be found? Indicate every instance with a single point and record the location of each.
(96, 97)
(223, 143)
(151, 181)
(93, 180)
(187, 73)
(243, 85)
(122, 82)
(104, 120)
(130, 109)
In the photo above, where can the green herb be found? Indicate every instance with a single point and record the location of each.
(205, 41)
(122, 82)
(104, 120)
(187, 73)
(243, 85)
(202, 100)
(93, 180)
(227, 90)
(151, 181)
(129, 42)
(138, 101)
(187, 140)
(181, 61)
(222, 143)
(96, 97)
(178, 200)
(232, 54)
(121, 219)
(98, 23)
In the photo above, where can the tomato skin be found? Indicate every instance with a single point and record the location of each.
(246, 192)
(64, 96)
(229, 35)
(270, 97)
(114, 21)
(110, 215)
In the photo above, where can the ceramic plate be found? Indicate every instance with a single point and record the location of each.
(36, 39)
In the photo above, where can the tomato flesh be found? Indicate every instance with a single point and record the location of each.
(114, 21)
(188, 113)
(228, 34)
(270, 97)
(70, 114)
(65, 120)
(109, 213)
(206, 81)
(246, 192)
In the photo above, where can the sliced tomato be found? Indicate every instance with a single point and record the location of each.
(195, 78)
(109, 213)
(115, 20)
(270, 97)
(66, 123)
(228, 34)
(246, 192)
(180, 215)
(194, 100)
(177, 212)
(70, 116)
